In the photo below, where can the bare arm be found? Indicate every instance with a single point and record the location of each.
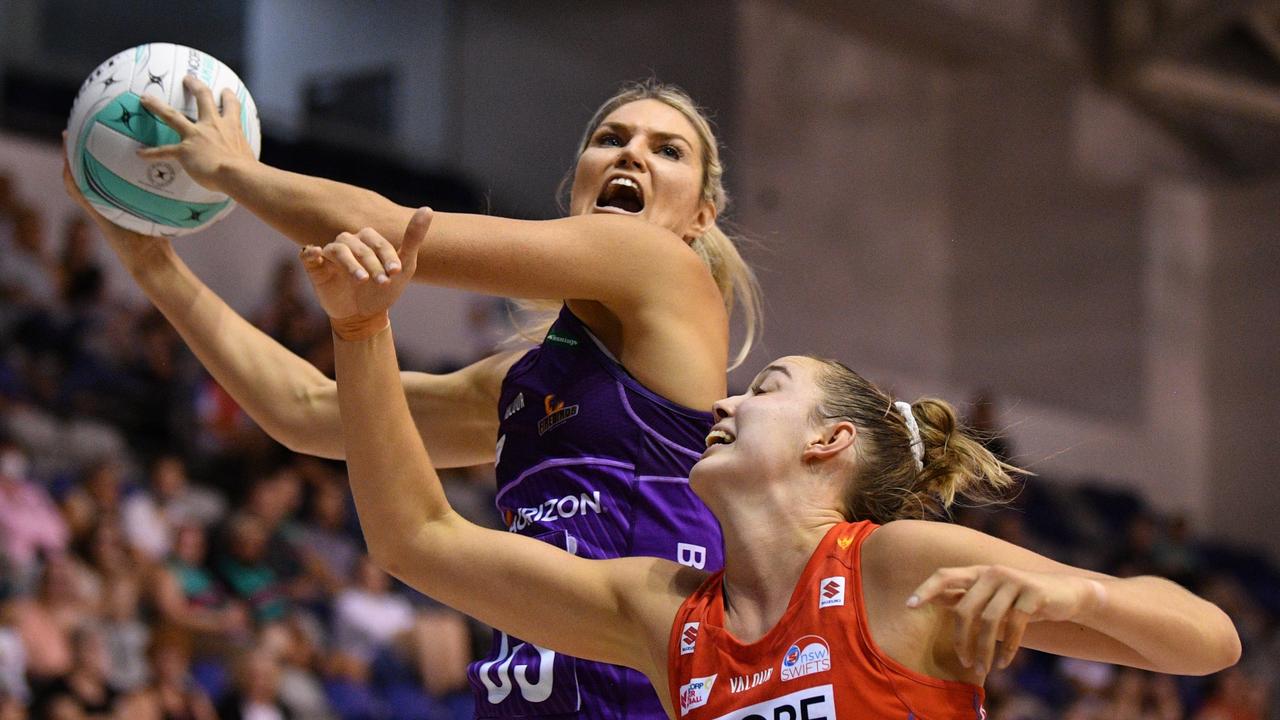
(594, 609)
(672, 325)
(615, 260)
(286, 395)
(293, 401)
(995, 590)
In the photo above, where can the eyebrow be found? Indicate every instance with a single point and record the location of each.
(771, 369)
(612, 125)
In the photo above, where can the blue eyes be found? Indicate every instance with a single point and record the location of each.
(613, 140)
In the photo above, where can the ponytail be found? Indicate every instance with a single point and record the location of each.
(889, 482)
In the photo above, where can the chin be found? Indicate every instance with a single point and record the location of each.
(707, 476)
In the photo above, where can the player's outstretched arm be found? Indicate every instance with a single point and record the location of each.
(622, 262)
(286, 395)
(993, 591)
(597, 609)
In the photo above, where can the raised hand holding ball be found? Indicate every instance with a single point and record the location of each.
(152, 193)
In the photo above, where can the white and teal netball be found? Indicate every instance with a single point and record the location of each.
(108, 125)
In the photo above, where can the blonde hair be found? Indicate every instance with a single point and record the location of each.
(733, 276)
(887, 483)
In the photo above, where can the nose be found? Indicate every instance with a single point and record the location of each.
(722, 409)
(630, 155)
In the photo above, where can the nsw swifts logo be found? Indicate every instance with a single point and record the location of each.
(806, 656)
(831, 592)
(557, 413)
(688, 638)
(695, 693)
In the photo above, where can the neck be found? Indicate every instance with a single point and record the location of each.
(768, 542)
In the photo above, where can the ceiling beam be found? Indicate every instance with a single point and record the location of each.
(1186, 32)
(931, 31)
(1265, 26)
(1195, 86)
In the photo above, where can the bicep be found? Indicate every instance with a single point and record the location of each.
(621, 262)
(606, 610)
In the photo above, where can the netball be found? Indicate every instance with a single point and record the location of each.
(108, 125)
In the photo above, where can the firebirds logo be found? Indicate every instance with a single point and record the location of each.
(557, 414)
(688, 638)
(806, 656)
(695, 693)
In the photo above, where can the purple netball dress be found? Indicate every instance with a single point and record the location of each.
(594, 463)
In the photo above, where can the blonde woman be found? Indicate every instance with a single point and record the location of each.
(836, 599)
(593, 431)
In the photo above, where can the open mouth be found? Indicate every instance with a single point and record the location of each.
(718, 437)
(623, 194)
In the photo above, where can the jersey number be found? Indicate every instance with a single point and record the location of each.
(532, 692)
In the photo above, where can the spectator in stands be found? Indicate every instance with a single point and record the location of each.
(126, 636)
(97, 497)
(28, 280)
(289, 315)
(78, 257)
(243, 567)
(29, 521)
(325, 536)
(152, 514)
(46, 620)
(13, 658)
(295, 643)
(188, 598)
(368, 617)
(1236, 696)
(85, 685)
(156, 389)
(172, 694)
(257, 689)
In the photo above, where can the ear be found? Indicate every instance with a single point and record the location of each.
(702, 222)
(832, 441)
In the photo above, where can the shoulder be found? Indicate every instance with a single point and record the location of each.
(908, 551)
(653, 252)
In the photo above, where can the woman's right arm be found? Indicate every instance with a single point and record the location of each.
(287, 396)
(617, 611)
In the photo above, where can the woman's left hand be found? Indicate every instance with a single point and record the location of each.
(995, 603)
(358, 277)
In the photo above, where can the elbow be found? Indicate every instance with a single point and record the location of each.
(1224, 643)
(383, 554)
(299, 425)
(392, 558)
(1229, 645)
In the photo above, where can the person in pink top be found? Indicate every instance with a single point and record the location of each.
(29, 522)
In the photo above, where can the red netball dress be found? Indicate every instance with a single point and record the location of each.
(818, 663)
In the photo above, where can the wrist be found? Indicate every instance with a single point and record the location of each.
(233, 175)
(1095, 597)
(145, 256)
(359, 327)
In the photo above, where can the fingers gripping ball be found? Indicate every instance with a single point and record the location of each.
(108, 125)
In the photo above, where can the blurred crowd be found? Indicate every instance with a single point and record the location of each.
(160, 557)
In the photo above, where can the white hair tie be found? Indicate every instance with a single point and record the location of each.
(917, 443)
